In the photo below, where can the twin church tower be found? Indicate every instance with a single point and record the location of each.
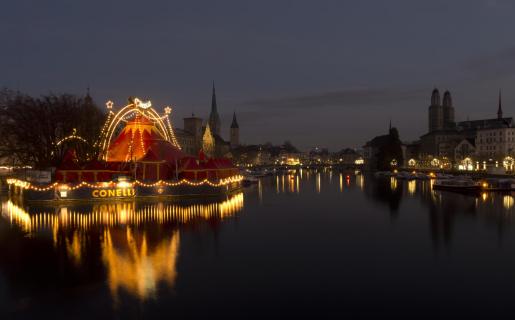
(441, 115)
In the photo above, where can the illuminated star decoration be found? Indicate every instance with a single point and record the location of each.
(141, 104)
(109, 104)
(168, 110)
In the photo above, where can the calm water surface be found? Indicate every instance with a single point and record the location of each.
(304, 245)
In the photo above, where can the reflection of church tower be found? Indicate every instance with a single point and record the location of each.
(235, 132)
(435, 112)
(214, 118)
(448, 110)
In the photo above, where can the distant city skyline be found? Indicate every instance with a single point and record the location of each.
(327, 74)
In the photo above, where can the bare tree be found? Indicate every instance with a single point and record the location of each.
(31, 127)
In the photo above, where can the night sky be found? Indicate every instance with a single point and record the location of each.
(318, 73)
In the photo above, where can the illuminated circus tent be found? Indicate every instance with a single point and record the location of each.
(143, 129)
(137, 141)
(140, 138)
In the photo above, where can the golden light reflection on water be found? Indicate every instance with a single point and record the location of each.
(507, 201)
(318, 182)
(360, 181)
(393, 183)
(289, 183)
(412, 187)
(260, 191)
(136, 260)
(120, 214)
(133, 266)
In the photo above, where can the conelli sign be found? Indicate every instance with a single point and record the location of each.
(113, 193)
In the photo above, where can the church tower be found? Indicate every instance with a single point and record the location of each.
(235, 132)
(87, 99)
(448, 111)
(435, 112)
(499, 108)
(214, 118)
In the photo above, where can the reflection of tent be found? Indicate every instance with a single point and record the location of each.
(136, 138)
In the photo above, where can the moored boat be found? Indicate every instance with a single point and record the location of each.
(462, 185)
(500, 185)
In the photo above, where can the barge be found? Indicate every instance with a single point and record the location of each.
(120, 190)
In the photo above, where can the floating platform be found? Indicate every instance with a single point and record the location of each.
(121, 190)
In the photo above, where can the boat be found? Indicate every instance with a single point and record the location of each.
(382, 174)
(421, 176)
(403, 175)
(462, 185)
(500, 185)
(249, 179)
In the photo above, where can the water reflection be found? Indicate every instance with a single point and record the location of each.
(444, 209)
(133, 266)
(289, 182)
(507, 201)
(137, 244)
(158, 253)
(114, 214)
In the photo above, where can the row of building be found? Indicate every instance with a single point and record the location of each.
(470, 144)
(286, 154)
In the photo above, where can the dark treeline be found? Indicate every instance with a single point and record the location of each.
(30, 127)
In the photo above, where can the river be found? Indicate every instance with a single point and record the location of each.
(299, 245)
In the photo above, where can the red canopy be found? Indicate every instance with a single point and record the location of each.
(136, 138)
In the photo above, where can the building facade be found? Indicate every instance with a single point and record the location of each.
(457, 141)
(197, 135)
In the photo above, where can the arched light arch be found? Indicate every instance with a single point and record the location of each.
(145, 109)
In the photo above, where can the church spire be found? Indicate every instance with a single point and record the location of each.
(214, 118)
(499, 109)
(234, 123)
(213, 99)
(87, 99)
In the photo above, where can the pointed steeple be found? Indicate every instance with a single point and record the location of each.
(499, 109)
(214, 118)
(234, 132)
(234, 123)
(87, 99)
(213, 99)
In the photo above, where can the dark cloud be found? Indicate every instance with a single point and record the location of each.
(498, 65)
(346, 98)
